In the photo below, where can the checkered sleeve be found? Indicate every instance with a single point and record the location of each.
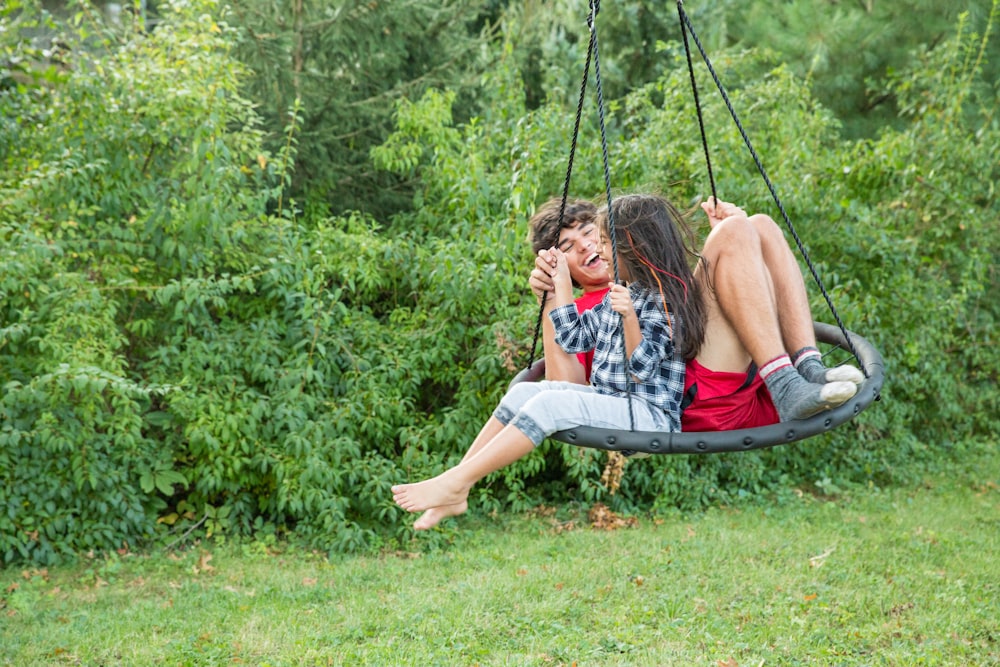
(657, 341)
(575, 332)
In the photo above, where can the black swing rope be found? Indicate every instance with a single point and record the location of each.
(686, 27)
(593, 51)
(595, 6)
(565, 192)
(864, 352)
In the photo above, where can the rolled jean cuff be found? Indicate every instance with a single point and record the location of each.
(529, 428)
(503, 415)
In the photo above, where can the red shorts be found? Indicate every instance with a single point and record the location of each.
(720, 401)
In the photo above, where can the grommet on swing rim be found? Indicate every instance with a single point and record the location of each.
(702, 445)
(654, 444)
(790, 435)
(748, 441)
(827, 422)
(611, 440)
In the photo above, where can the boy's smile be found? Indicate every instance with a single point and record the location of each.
(580, 244)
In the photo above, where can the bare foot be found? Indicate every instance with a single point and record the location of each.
(435, 492)
(434, 515)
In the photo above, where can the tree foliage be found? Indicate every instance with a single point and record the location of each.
(186, 350)
(345, 64)
(844, 49)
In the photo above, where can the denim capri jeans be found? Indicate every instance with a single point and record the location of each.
(539, 409)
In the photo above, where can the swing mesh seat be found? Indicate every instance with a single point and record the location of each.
(713, 442)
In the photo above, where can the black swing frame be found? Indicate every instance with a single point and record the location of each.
(688, 442)
(739, 440)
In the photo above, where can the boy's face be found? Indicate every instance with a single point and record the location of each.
(580, 243)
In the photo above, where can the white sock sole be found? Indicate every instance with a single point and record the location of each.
(845, 373)
(835, 393)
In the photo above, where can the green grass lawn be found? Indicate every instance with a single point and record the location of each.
(907, 576)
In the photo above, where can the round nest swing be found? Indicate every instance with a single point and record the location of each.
(833, 337)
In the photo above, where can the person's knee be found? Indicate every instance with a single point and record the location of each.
(734, 232)
(517, 396)
(766, 228)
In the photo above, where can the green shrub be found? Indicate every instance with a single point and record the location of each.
(187, 354)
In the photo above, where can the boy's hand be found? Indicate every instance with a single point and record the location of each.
(551, 275)
(621, 301)
(540, 279)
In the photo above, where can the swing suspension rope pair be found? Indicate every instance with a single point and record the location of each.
(866, 355)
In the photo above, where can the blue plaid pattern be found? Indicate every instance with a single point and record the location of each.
(655, 363)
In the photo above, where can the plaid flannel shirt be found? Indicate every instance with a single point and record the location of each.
(655, 369)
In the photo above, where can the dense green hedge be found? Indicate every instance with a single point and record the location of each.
(185, 353)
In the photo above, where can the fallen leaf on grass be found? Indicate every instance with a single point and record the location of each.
(900, 609)
(602, 518)
(541, 512)
(564, 526)
(203, 565)
(985, 487)
(818, 560)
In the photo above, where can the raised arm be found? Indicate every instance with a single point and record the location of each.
(559, 365)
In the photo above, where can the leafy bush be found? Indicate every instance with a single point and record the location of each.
(134, 197)
(185, 353)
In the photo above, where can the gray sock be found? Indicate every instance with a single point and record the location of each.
(813, 370)
(795, 398)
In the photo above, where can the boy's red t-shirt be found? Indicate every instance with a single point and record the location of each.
(585, 302)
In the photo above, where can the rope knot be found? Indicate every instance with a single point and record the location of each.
(595, 6)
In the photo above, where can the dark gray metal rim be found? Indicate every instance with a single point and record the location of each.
(742, 439)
